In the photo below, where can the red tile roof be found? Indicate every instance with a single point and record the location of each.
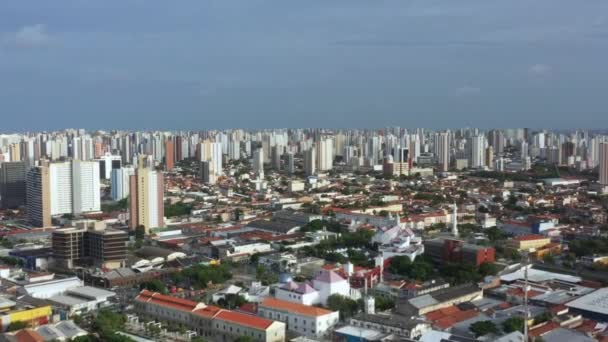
(209, 311)
(28, 335)
(536, 332)
(163, 300)
(244, 319)
(305, 310)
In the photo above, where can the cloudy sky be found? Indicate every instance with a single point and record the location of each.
(199, 64)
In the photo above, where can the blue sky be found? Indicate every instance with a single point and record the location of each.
(200, 64)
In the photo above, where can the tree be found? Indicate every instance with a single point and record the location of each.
(347, 307)
(543, 317)
(231, 301)
(154, 285)
(487, 269)
(243, 339)
(482, 328)
(383, 303)
(140, 232)
(108, 322)
(513, 324)
(18, 325)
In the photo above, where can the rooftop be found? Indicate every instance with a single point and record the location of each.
(301, 309)
(244, 319)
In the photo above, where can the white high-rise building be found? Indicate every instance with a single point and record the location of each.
(443, 151)
(85, 187)
(310, 161)
(478, 151)
(60, 180)
(212, 152)
(120, 182)
(258, 162)
(325, 154)
(74, 187)
(107, 163)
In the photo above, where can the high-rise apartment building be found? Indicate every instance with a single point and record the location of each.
(290, 166)
(38, 196)
(443, 151)
(325, 154)
(169, 154)
(258, 162)
(310, 161)
(60, 181)
(86, 195)
(477, 150)
(603, 164)
(212, 152)
(107, 163)
(120, 182)
(12, 184)
(207, 173)
(146, 198)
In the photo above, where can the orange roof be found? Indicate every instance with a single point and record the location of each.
(209, 311)
(306, 310)
(28, 335)
(244, 319)
(162, 300)
(543, 329)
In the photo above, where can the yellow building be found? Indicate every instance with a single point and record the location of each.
(528, 242)
(34, 317)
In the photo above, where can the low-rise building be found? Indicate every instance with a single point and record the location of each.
(528, 242)
(299, 318)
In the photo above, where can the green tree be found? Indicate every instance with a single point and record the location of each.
(244, 339)
(513, 324)
(18, 325)
(347, 307)
(543, 317)
(488, 268)
(140, 232)
(154, 285)
(383, 303)
(483, 328)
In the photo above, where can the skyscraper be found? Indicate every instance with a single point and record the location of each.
(146, 198)
(325, 154)
(38, 197)
(478, 149)
(258, 162)
(12, 184)
(310, 161)
(291, 168)
(212, 152)
(169, 154)
(120, 182)
(207, 172)
(443, 151)
(86, 195)
(603, 164)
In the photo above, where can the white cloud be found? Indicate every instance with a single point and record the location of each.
(29, 37)
(540, 69)
(467, 90)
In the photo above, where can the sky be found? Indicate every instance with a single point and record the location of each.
(215, 64)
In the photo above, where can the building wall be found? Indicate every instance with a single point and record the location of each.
(311, 326)
(290, 296)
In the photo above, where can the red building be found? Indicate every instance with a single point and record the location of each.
(169, 154)
(452, 250)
